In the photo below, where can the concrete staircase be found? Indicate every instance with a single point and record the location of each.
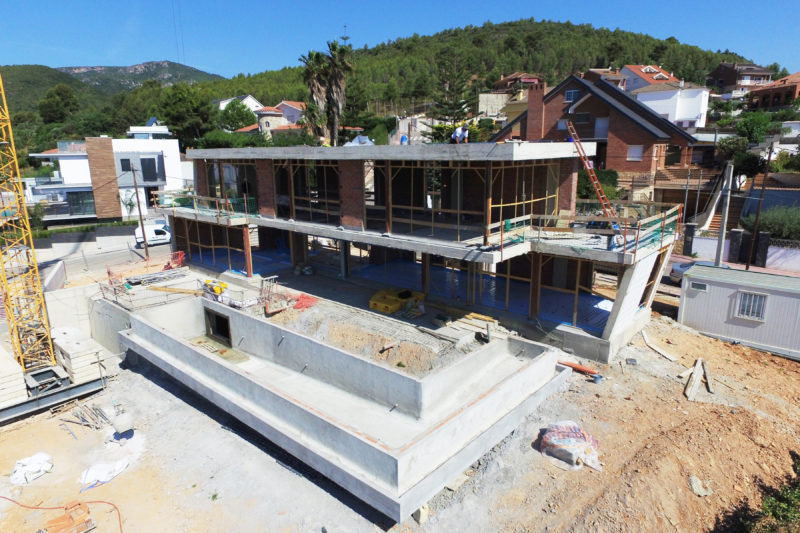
(734, 211)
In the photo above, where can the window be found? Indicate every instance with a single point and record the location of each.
(125, 164)
(218, 327)
(562, 124)
(583, 118)
(148, 169)
(751, 305)
(635, 152)
(571, 95)
(80, 203)
(696, 285)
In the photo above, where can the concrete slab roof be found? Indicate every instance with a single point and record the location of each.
(511, 151)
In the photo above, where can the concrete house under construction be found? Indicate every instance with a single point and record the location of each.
(488, 225)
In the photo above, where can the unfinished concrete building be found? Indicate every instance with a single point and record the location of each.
(490, 227)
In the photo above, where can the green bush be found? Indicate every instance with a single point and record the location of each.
(782, 222)
(785, 162)
(608, 178)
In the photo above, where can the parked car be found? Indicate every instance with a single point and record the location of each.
(679, 269)
(156, 233)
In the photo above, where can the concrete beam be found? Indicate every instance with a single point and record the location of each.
(513, 151)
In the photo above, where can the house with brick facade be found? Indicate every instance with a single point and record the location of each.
(735, 80)
(483, 225)
(631, 138)
(780, 93)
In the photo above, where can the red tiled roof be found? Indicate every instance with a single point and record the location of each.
(352, 128)
(269, 109)
(287, 127)
(788, 80)
(51, 151)
(251, 127)
(294, 104)
(649, 77)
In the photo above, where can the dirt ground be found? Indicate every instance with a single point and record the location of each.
(194, 468)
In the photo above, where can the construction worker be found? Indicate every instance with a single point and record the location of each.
(460, 135)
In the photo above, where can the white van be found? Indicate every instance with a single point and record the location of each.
(155, 233)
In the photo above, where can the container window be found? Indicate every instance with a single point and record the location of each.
(751, 305)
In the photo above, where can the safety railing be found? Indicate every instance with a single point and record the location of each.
(223, 209)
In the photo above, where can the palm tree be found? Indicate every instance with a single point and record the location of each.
(338, 67)
(315, 76)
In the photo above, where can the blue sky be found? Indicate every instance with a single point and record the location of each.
(236, 36)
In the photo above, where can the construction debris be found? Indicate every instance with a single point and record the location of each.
(709, 386)
(693, 385)
(567, 442)
(658, 350)
(30, 468)
(579, 368)
(157, 277)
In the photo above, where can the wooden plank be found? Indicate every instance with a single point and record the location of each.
(657, 349)
(709, 386)
(693, 385)
(685, 374)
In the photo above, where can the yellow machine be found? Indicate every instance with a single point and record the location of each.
(391, 301)
(23, 298)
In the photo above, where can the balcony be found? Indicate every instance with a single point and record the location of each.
(231, 211)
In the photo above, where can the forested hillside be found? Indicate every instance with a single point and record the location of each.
(401, 72)
(111, 80)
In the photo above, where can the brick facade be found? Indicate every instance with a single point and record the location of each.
(567, 184)
(103, 172)
(351, 193)
(266, 187)
(200, 179)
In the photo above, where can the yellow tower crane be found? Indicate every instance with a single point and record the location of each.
(23, 298)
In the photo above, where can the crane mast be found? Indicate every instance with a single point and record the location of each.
(21, 286)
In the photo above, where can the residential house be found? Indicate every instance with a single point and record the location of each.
(247, 99)
(507, 88)
(780, 93)
(269, 117)
(631, 138)
(638, 76)
(735, 80)
(683, 104)
(292, 111)
(752, 308)
(95, 178)
(613, 76)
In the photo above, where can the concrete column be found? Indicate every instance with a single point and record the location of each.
(344, 259)
(762, 247)
(426, 273)
(200, 179)
(536, 284)
(351, 193)
(623, 321)
(248, 256)
(487, 198)
(735, 246)
(689, 230)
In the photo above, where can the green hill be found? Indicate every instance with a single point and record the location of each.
(111, 80)
(408, 68)
(25, 85)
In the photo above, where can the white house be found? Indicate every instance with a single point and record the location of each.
(292, 111)
(683, 104)
(638, 76)
(752, 308)
(247, 99)
(72, 190)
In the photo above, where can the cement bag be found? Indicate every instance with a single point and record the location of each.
(28, 469)
(567, 442)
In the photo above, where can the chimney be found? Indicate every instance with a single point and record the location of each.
(536, 112)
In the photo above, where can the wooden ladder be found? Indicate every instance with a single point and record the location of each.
(587, 165)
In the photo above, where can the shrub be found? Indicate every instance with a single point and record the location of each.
(608, 179)
(782, 222)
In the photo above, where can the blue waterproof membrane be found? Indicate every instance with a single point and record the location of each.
(555, 306)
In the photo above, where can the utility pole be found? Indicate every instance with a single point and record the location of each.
(758, 211)
(141, 219)
(726, 191)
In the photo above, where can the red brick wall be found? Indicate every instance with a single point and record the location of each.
(567, 184)
(266, 187)
(200, 179)
(103, 172)
(534, 129)
(351, 193)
